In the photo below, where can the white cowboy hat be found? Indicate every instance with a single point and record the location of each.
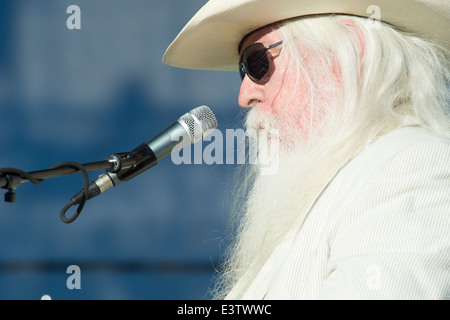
(210, 39)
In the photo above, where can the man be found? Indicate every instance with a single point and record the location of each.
(358, 92)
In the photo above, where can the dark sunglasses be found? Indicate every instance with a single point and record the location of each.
(256, 62)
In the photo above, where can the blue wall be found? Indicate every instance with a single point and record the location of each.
(80, 95)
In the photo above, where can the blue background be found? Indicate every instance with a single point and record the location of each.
(80, 95)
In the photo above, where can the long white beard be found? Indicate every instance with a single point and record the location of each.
(269, 205)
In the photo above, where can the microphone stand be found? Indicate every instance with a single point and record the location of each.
(127, 163)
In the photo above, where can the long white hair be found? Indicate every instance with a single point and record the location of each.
(389, 79)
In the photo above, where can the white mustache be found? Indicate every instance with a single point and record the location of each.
(257, 120)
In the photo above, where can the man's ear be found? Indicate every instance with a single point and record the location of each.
(357, 34)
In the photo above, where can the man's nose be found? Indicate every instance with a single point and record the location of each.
(250, 94)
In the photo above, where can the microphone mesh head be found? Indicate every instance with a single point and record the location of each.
(201, 122)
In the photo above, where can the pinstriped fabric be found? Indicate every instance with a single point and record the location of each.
(381, 230)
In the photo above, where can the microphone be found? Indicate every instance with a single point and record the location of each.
(191, 127)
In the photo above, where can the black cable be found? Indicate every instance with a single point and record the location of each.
(80, 207)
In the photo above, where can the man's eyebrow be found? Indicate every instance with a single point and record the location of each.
(274, 26)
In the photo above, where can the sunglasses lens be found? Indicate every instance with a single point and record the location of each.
(254, 62)
(258, 65)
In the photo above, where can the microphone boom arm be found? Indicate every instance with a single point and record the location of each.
(189, 128)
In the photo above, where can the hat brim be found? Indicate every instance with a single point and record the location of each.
(210, 39)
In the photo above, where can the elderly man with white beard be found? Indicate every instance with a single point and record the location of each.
(358, 92)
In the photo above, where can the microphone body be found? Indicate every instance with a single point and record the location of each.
(188, 129)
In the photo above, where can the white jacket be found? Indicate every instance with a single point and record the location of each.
(380, 229)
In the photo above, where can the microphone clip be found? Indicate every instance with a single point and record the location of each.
(115, 160)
